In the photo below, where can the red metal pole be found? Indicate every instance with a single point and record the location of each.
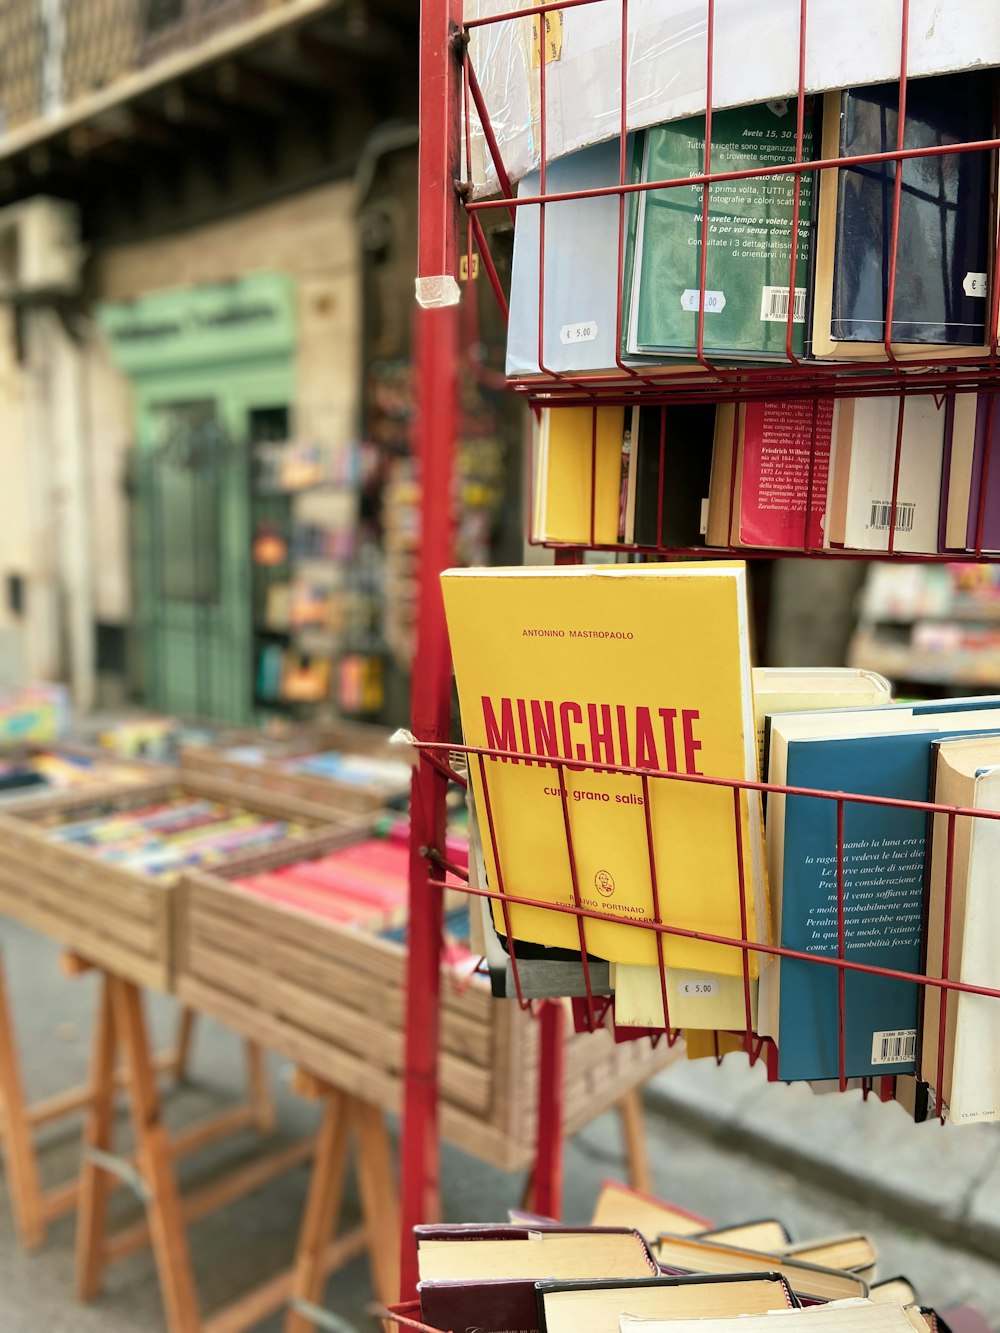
(551, 1084)
(435, 433)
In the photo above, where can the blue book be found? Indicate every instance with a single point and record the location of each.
(581, 268)
(884, 863)
(944, 226)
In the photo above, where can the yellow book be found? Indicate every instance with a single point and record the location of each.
(694, 999)
(765, 1233)
(700, 1044)
(643, 666)
(578, 460)
(620, 1205)
(804, 689)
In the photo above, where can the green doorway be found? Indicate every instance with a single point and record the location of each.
(211, 371)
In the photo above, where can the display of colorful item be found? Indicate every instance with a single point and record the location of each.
(364, 886)
(169, 836)
(357, 770)
(52, 770)
(155, 738)
(34, 713)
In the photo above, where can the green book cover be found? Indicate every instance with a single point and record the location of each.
(749, 238)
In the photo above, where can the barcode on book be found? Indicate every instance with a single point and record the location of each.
(882, 512)
(774, 305)
(893, 1048)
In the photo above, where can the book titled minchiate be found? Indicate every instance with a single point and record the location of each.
(941, 280)
(748, 240)
(635, 666)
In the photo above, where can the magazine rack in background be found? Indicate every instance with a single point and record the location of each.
(451, 86)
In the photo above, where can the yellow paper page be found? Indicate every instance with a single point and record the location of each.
(695, 999)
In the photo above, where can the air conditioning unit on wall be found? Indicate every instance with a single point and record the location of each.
(40, 250)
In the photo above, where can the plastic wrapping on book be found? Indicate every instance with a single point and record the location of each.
(835, 968)
(837, 218)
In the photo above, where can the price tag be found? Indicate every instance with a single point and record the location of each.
(695, 986)
(550, 35)
(975, 284)
(579, 333)
(714, 301)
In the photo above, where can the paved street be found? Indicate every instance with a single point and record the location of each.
(721, 1141)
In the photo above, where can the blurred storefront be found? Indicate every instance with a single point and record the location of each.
(211, 360)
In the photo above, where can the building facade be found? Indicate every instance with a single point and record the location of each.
(227, 200)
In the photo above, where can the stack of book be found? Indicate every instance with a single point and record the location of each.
(61, 770)
(38, 712)
(163, 839)
(646, 1266)
(356, 770)
(796, 264)
(580, 684)
(363, 886)
(773, 474)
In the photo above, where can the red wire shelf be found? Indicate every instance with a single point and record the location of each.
(709, 379)
(436, 755)
(815, 484)
(452, 84)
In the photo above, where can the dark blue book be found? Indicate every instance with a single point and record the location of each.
(944, 216)
(673, 462)
(884, 861)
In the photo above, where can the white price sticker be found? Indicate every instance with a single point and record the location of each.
(975, 284)
(578, 333)
(697, 986)
(714, 301)
(897, 1046)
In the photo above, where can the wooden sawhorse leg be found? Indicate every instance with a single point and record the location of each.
(120, 1035)
(18, 1144)
(122, 1027)
(259, 1098)
(630, 1112)
(322, 1208)
(185, 1038)
(342, 1114)
(95, 1184)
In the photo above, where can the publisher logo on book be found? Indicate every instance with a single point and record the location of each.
(604, 883)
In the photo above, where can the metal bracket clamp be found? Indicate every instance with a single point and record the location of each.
(123, 1169)
(322, 1318)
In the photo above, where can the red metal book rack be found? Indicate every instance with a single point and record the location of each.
(452, 103)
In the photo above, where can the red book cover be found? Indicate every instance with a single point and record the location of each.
(316, 902)
(778, 455)
(493, 1305)
(344, 889)
(387, 856)
(346, 881)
